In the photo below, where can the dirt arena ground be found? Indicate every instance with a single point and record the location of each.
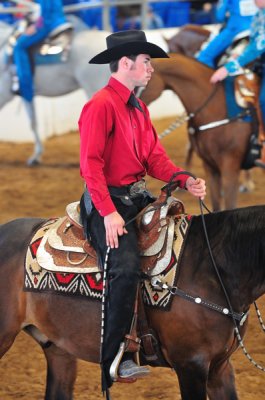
(44, 191)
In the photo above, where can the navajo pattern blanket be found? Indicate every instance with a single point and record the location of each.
(37, 279)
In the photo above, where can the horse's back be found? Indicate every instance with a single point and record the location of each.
(15, 236)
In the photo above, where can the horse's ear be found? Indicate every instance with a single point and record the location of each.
(165, 39)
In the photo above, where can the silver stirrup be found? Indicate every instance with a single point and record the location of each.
(116, 362)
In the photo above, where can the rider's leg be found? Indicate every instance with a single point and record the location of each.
(216, 47)
(261, 162)
(123, 277)
(22, 62)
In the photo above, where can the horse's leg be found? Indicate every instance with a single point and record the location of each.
(221, 383)
(215, 187)
(38, 148)
(61, 374)
(189, 154)
(248, 184)
(230, 183)
(192, 381)
(61, 368)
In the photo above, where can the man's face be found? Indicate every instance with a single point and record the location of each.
(141, 70)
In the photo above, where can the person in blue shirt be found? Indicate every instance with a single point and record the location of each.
(255, 49)
(239, 14)
(51, 16)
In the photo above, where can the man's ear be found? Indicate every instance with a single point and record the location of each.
(125, 62)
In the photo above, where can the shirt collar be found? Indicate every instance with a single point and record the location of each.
(122, 90)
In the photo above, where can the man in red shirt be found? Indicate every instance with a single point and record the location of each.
(119, 146)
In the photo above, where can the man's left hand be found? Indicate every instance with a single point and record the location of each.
(197, 187)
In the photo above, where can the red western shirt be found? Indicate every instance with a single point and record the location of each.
(119, 145)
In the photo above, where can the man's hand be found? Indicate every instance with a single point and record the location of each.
(219, 75)
(31, 30)
(114, 225)
(197, 187)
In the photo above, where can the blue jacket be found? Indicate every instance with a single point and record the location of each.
(52, 13)
(255, 48)
(237, 12)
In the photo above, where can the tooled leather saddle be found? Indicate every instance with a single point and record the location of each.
(65, 249)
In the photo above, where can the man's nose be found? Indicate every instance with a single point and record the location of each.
(151, 68)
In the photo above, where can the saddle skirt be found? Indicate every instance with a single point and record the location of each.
(65, 249)
(247, 89)
(57, 44)
(55, 48)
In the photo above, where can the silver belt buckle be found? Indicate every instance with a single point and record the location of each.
(137, 188)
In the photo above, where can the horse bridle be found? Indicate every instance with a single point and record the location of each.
(192, 131)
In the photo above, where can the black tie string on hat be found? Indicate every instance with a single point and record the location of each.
(134, 102)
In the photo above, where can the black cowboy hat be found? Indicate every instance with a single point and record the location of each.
(127, 43)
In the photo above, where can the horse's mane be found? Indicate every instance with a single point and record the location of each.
(196, 29)
(183, 58)
(239, 235)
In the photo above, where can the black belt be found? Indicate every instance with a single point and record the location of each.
(132, 190)
(128, 192)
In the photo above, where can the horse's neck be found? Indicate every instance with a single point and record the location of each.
(191, 82)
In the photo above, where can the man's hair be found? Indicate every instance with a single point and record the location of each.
(114, 65)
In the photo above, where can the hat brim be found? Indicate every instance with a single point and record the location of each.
(128, 49)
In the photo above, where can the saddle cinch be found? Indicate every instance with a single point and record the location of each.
(65, 249)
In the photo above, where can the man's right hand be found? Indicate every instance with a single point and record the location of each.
(219, 75)
(114, 225)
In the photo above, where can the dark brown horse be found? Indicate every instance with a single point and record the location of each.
(222, 149)
(196, 341)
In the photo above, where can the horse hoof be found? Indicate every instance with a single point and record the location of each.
(33, 162)
(247, 187)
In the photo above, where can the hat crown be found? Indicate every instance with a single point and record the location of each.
(127, 43)
(121, 38)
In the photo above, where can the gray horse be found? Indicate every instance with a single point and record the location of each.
(58, 79)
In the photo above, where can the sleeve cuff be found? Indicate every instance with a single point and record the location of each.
(234, 68)
(105, 207)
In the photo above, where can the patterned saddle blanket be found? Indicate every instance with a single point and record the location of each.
(59, 259)
(64, 247)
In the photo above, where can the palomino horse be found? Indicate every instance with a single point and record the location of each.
(196, 341)
(59, 79)
(222, 149)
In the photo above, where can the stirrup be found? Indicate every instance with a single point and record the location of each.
(116, 362)
(114, 368)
